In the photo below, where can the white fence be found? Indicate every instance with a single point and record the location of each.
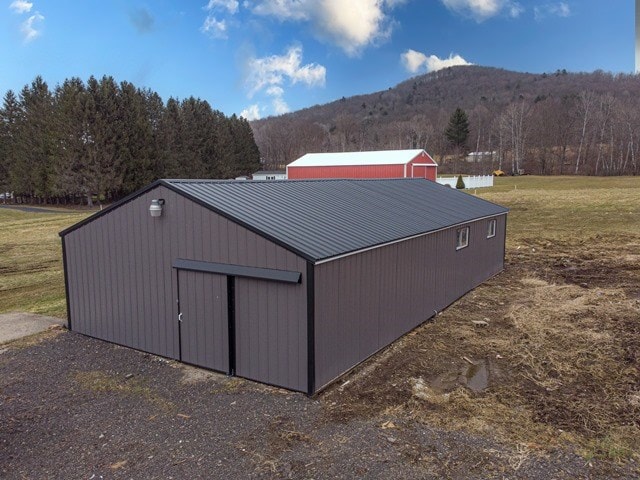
(474, 181)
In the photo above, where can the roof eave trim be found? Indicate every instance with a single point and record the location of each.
(404, 239)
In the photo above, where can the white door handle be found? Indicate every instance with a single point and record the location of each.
(180, 317)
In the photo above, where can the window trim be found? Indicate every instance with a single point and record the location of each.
(492, 227)
(460, 246)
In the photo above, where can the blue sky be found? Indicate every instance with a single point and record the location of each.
(265, 57)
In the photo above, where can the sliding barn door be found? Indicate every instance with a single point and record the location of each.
(204, 320)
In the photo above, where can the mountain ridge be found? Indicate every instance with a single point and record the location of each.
(414, 113)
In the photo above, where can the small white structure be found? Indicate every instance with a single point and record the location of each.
(476, 157)
(270, 175)
(470, 181)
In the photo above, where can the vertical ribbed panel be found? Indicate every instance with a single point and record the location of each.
(204, 327)
(366, 301)
(348, 171)
(269, 323)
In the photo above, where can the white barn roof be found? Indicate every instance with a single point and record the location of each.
(336, 159)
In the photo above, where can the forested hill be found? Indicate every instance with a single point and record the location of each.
(555, 122)
(103, 139)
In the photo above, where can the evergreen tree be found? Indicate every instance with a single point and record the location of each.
(246, 154)
(170, 141)
(198, 139)
(460, 183)
(9, 117)
(154, 109)
(136, 137)
(33, 172)
(107, 139)
(457, 132)
(70, 177)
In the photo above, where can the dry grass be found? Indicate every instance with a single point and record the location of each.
(102, 382)
(563, 333)
(31, 277)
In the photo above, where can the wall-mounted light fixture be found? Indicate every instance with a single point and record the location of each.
(155, 209)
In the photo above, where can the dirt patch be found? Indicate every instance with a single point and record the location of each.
(283, 436)
(599, 261)
(193, 375)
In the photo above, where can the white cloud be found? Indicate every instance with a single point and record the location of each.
(560, 9)
(394, 3)
(273, 71)
(283, 9)
(214, 28)
(414, 61)
(252, 112)
(275, 91)
(21, 6)
(280, 106)
(482, 10)
(351, 25)
(515, 10)
(30, 27)
(230, 6)
(270, 74)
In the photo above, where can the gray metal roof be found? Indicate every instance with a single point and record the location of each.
(320, 219)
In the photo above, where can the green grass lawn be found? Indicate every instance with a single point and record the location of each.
(569, 208)
(535, 182)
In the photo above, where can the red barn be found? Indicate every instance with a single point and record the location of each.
(379, 164)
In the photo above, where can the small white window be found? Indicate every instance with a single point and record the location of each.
(271, 177)
(491, 229)
(462, 238)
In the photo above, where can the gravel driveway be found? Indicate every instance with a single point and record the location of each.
(76, 407)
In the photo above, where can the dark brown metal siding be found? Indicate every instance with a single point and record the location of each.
(268, 347)
(366, 301)
(122, 287)
(204, 333)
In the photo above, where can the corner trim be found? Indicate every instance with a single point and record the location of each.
(231, 318)
(178, 320)
(311, 332)
(65, 269)
(504, 242)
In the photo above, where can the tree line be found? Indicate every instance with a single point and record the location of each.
(586, 124)
(103, 140)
